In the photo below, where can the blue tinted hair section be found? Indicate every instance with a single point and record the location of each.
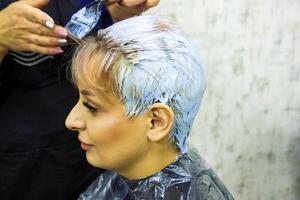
(158, 64)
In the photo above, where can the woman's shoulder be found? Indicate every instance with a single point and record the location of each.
(205, 183)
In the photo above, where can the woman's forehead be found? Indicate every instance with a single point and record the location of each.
(102, 94)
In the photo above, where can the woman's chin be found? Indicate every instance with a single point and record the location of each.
(94, 161)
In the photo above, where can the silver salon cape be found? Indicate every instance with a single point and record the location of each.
(188, 178)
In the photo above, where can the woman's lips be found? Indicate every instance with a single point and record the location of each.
(85, 146)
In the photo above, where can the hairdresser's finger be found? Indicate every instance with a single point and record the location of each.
(37, 16)
(109, 2)
(60, 31)
(21, 10)
(119, 12)
(38, 29)
(151, 3)
(44, 50)
(36, 3)
(127, 3)
(132, 3)
(45, 40)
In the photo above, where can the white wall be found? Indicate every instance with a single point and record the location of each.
(249, 125)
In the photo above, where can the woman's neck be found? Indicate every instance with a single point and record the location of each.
(155, 160)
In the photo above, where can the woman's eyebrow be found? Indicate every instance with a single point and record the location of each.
(90, 95)
(99, 98)
(85, 93)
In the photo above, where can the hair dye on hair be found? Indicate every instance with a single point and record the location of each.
(144, 60)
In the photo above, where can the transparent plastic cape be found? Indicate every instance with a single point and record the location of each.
(188, 178)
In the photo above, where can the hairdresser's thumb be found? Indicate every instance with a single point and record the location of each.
(36, 3)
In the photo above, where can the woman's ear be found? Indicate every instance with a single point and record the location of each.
(161, 119)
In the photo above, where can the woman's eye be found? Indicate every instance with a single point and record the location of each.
(89, 107)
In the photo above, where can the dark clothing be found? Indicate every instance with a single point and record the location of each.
(39, 157)
(188, 178)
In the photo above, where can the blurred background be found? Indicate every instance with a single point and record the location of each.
(248, 127)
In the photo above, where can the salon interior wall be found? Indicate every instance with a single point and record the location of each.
(248, 128)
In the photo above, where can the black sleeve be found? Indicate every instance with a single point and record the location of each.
(5, 3)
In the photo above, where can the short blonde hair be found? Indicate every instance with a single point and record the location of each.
(144, 60)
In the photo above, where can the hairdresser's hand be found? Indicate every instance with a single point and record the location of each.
(123, 9)
(24, 27)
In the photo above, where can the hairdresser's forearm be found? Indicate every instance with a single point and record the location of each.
(3, 52)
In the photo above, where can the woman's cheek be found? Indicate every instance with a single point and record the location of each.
(107, 130)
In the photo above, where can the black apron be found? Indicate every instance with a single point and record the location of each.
(39, 157)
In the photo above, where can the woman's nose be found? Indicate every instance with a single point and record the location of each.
(74, 125)
(73, 122)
